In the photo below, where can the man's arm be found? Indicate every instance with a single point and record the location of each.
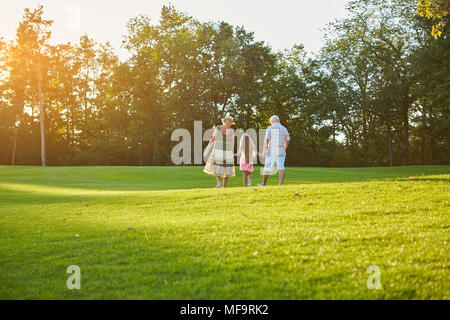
(266, 147)
(266, 142)
(288, 139)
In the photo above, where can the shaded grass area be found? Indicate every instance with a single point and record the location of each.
(142, 233)
(171, 178)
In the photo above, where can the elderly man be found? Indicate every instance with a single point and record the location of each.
(275, 146)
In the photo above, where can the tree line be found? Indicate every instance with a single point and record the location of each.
(376, 94)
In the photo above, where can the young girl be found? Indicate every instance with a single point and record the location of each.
(248, 153)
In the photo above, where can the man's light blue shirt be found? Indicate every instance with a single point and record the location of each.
(278, 135)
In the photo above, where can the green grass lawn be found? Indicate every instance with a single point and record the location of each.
(164, 233)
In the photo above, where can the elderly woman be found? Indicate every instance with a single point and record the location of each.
(221, 160)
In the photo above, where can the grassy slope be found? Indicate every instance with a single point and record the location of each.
(313, 238)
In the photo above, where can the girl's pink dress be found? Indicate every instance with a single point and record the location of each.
(246, 166)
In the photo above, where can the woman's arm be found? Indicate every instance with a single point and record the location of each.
(234, 142)
(210, 144)
(213, 138)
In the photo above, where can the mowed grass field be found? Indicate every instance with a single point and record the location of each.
(165, 233)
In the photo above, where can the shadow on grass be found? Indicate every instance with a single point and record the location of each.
(186, 178)
(145, 263)
(116, 264)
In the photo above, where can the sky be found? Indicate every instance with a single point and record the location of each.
(280, 23)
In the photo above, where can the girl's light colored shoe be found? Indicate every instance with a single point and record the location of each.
(249, 182)
(219, 187)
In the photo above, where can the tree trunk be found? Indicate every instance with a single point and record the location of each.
(68, 124)
(422, 150)
(42, 115)
(13, 157)
(365, 143)
(389, 132)
(431, 150)
(423, 137)
(333, 150)
(141, 154)
(405, 134)
(150, 153)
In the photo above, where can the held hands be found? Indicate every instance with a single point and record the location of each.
(264, 154)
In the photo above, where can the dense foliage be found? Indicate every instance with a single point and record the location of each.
(376, 94)
(436, 10)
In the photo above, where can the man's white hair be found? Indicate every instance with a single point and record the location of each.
(275, 119)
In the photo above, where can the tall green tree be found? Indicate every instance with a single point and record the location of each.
(33, 34)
